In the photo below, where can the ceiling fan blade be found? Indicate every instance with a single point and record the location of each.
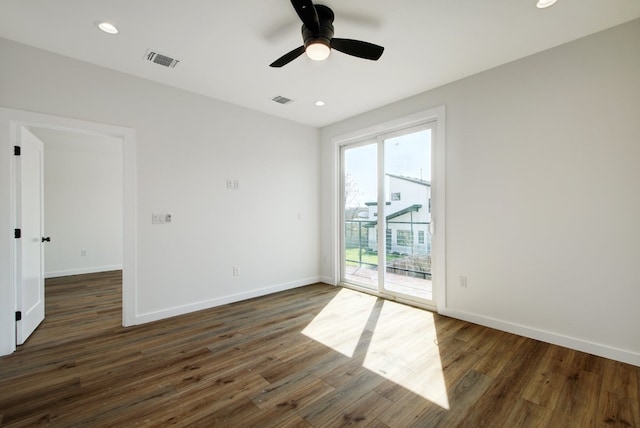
(357, 48)
(308, 14)
(288, 57)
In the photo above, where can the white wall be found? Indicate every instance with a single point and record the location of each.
(83, 202)
(543, 200)
(187, 146)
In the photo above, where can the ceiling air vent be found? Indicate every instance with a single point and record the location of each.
(158, 58)
(281, 100)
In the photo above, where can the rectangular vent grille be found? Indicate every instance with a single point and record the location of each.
(160, 59)
(281, 100)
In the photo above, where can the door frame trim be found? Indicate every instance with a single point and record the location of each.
(10, 121)
(437, 114)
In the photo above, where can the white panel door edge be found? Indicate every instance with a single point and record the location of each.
(30, 246)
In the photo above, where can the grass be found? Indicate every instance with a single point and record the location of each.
(352, 254)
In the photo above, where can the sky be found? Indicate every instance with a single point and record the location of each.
(408, 155)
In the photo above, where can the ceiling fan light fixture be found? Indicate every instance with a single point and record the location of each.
(318, 51)
(318, 40)
(545, 3)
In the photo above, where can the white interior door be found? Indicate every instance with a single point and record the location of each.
(29, 251)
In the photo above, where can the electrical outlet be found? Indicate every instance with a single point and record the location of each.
(229, 184)
(463, 281)
(83, 253)
(236, 271)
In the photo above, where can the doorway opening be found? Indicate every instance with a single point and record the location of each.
(82, 201)
(69, 207)
(12, 122)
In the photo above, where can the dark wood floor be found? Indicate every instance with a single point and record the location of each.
(315, 356)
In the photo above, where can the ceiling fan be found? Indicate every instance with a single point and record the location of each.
(317, 34)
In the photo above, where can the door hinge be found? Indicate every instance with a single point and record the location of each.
(16, 150)
(18, 315)
(17, 233)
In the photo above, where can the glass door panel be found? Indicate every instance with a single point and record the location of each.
(407, 180)
(360, 236)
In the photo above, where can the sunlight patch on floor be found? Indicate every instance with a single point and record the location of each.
(395, 341)
(403, 350)
(341, 323)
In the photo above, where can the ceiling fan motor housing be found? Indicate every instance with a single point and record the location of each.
(324, 36)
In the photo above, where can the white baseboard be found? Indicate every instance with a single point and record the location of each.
(327, 280)
(219, 301)
(81, 271)
(548, 337)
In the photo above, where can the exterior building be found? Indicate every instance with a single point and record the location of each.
(408, 216)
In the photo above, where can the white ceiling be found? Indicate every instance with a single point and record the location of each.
(225, 47)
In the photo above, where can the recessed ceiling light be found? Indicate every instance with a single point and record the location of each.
(319, 103)
(107, 27)
(545, 3)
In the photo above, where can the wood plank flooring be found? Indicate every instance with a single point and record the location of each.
(317, 356)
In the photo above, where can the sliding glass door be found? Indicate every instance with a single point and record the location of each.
(360, 193)
(407, 180)
(387, 205)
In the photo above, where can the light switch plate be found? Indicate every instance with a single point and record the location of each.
(160, 218)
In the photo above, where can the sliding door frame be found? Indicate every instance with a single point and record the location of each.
(372, 135)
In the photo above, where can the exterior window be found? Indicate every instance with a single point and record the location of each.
(421, 237)
(405, 238)
(395, 196)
